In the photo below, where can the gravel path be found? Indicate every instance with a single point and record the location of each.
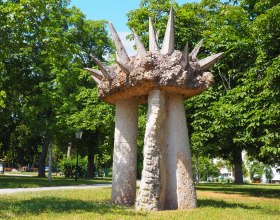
(18, 190)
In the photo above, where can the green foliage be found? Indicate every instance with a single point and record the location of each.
(240, 112)
(67, 167)
(257, 169)
(206, 168)
(138, 19)
(45, 93)
(2, 99)
(140, 138)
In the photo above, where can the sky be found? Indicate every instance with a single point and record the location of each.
(114, 11)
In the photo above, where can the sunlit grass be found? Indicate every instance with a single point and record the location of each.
(33, 181)
(215, 201)
(23, 173)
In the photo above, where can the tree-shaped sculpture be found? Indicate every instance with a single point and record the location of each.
(163, 78)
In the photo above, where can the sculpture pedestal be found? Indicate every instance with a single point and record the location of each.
(125, 153)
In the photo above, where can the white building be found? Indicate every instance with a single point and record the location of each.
(275, 174)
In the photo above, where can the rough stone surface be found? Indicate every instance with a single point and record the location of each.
(180, 188)
(167, 180)
(154, 71)
(125, 153)
(152, 187)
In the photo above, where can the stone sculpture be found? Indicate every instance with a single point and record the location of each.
(162, 78)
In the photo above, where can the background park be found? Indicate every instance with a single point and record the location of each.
(46, 96)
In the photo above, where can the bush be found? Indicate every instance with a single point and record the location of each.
(68, 167)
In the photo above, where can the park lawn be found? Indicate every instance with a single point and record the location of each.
(33, 181)
(215, 201)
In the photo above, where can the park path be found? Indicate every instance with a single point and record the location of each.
(18, 190)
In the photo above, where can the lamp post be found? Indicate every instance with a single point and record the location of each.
(78, 134)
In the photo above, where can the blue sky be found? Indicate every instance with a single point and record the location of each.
(114, 11)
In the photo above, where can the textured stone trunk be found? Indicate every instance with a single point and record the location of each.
(180, 192)
(152, 188)
(125, 153)
(167, 179)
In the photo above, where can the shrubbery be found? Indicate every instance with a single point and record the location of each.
(67, 167)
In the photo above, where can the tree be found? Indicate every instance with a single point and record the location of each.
(207, 170)
(232, 121)
(45, 47)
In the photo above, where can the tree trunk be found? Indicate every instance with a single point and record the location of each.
(197, 170)
(237, 163)
(50, 164)
(90, 171)
(69, 148)
(20, 158)
(43, 156)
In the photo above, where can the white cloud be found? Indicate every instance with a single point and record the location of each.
(128, 45)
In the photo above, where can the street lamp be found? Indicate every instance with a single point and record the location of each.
(78, 134)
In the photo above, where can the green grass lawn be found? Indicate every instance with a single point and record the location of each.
(215, 201)
(33, 181)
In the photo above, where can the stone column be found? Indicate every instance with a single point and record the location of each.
(125, 152)
(180, 190)
(152, 188)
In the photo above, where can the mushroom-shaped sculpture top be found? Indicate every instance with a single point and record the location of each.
(166, 69)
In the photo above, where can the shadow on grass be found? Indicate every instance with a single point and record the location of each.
(33, 181)
(40, 205)
(265, 191)
(222, 204)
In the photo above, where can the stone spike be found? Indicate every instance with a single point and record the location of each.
(185, 56)
(95, 73)
(195, 51)
(122, 54)
(208, 62)
(153, 47)
(95, 79)
(157, 35)
(102, 68)
(112, 73)
(124, 67)
(169, 39)
(141, 51)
